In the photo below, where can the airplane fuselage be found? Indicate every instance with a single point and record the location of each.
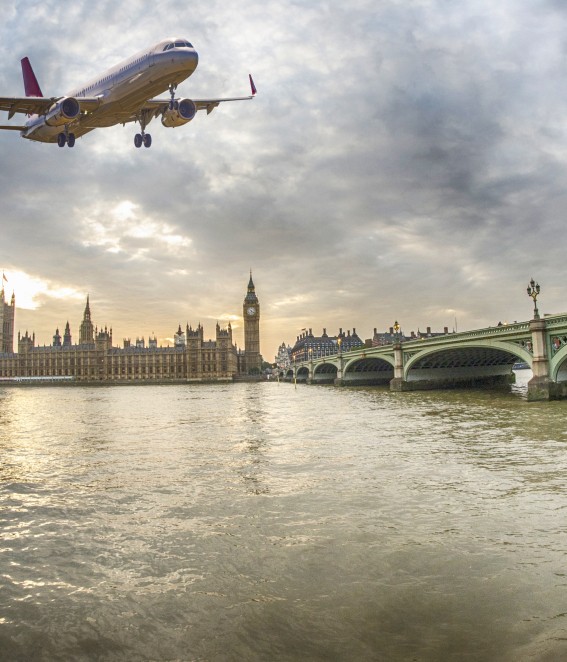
(124, 93)
(122, 89)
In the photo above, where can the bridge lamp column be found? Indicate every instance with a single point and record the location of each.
(310, 364)
(294, 372)
(397, 334)
(540, 386)
(339, 378)
(533, 291)
(397, 384)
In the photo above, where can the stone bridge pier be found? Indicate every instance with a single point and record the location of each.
(541, 386)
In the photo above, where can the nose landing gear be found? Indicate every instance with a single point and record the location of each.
(172, 89)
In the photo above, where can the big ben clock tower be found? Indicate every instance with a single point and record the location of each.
(251, 314)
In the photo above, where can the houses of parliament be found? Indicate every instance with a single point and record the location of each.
(94, 359)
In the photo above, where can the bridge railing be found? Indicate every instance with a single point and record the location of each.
(505, 331)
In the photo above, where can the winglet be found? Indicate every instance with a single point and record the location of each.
(252, 86)
(31, 86)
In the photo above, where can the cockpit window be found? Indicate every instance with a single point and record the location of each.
(183, 44)
(167, 47)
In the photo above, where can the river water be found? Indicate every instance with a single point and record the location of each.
(267, 522)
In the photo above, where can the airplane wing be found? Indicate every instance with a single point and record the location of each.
(159, 105)
(26, 105)
(40, 105)
(210, 104)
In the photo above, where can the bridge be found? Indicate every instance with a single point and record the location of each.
(472, 358)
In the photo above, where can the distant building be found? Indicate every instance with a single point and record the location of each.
(283, 357)
(392, 335)
(94, 359)
(7, 316)
(309, 346)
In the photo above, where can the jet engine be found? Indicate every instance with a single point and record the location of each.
(63, 112)
(182, 112)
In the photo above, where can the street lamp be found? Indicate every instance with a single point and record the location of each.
(533, 291)
(294, 371)
(397, 334)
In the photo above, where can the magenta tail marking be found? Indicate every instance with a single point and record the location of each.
(252, 86)
(31, 86)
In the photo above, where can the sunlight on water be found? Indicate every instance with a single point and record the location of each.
(267, 522)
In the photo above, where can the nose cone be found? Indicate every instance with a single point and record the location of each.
(189, 58)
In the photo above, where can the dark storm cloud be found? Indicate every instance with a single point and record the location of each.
(402, 161)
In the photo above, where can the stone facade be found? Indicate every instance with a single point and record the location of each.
(94, 359)
(7, 315)
(308, 346)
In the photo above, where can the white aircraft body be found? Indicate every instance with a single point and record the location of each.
(119, 95)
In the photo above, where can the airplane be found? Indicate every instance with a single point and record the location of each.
(121, 94)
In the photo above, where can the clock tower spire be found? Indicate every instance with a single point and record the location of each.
(251, 314)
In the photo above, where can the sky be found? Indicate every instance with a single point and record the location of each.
(404, 160)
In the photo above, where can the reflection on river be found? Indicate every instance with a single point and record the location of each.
(267, 522)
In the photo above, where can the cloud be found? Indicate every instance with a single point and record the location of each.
(123, 229)
(401, 160)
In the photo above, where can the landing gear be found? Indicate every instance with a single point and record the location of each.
(145, 118)
(172, 89)
(65, 138)
(142, 139)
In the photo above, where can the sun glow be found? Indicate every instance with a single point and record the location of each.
(30, 290)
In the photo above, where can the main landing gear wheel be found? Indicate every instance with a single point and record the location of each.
(142, 139)
(63, 139)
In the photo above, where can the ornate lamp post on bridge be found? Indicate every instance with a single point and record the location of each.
(310, 375)
(294, 372)
(541, 386)
(533, 291)
(398, 384)
(339, 377)
(397, 332)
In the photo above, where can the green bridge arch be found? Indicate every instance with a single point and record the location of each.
(478, 357)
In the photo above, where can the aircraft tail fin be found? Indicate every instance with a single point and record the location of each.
(31, 86)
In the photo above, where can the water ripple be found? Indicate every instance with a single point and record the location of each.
(260, 521)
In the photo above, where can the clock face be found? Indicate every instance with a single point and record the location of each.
(251, 310)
